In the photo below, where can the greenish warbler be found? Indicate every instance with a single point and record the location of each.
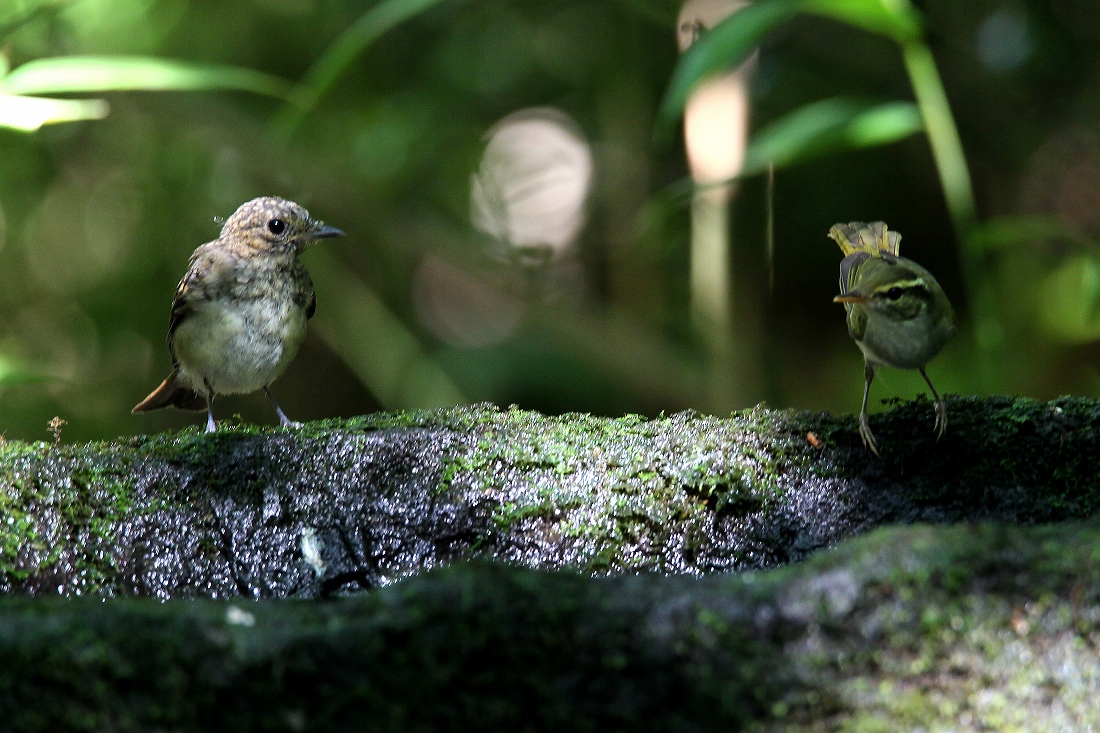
(898, 314)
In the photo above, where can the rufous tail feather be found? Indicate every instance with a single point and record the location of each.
(171, 393)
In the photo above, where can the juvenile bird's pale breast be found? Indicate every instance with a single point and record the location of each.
(239, 313)
(239, 345)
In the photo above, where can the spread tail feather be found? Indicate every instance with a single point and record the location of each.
(874, 238)
(171, 393)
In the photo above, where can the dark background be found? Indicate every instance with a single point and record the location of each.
(418, 308)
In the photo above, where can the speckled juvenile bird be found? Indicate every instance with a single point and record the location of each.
(898, 314)
(240, 312)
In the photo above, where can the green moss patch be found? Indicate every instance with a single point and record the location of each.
(386, 495)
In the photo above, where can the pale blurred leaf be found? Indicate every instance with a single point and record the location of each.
(828, 126)
(723, 47)
(73, 74)
(30, 113)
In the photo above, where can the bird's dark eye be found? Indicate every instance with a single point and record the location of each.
(276, 226)
(894, 293)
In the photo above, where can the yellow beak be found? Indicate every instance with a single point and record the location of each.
(850, 298)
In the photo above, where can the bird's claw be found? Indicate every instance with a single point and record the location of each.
(941, 420)
(866, 434)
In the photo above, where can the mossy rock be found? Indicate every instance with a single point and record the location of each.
(344, 506)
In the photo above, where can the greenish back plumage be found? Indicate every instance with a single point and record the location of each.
(897, 313)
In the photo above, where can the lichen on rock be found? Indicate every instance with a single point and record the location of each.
(347, 505)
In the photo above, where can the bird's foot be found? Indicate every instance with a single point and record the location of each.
(284, 421)
(941, 419)
(866, 434)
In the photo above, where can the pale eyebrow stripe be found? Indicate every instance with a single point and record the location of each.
(903, 284)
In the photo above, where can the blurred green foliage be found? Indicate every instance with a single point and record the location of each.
(829, 126)
(155, 116)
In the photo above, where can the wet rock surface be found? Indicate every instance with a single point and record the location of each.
(345, 506)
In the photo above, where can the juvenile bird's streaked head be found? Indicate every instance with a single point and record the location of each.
(272, 224)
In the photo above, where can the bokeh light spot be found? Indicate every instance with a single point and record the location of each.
(82, 232)
(534, 178)
(1003, 41)
(461, 308)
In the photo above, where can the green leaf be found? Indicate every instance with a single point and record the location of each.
(723, 47)
(1067, 300)
(342, 53)
(828, 126)
(30, 113)
(375, 343)
(75, 74)
(883, 124)
(12, 22)
(15, 372)
(894, 18)
(1012, 231)
(659, 12)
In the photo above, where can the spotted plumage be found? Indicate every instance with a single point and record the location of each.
(240, 312)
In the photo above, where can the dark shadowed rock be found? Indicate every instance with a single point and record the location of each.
(966, 627)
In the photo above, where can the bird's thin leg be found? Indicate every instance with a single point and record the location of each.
(210, 427)
(941, 409)
(864, 427)
(284, 421)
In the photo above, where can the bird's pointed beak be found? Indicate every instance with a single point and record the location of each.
(850, 298)
(322, 231)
